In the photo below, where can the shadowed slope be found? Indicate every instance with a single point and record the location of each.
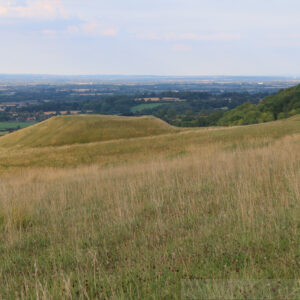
(68, 130)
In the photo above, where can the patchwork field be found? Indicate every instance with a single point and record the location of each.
(6, 126)
(141, 107)
(140, 214)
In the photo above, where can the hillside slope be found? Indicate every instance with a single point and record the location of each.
(284, 104)
(132, 150)
(68, 130)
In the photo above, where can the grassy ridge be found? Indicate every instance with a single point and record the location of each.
(146, 148)
(68, 130)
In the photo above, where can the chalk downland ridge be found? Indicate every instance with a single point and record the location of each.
(69, 130)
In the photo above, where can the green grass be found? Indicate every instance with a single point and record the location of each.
(144, 106)
(68, 130)
(14, 125)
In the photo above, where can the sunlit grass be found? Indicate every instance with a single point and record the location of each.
(82, 129)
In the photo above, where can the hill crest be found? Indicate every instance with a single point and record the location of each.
(69, 130)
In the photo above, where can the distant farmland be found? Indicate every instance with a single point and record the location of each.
(11, 126)
(154, 99)
(145, 106)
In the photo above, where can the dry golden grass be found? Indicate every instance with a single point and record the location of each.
(163, 146)
(209, 204)
(82, 129)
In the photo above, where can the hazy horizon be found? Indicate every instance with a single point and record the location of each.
(288, 76)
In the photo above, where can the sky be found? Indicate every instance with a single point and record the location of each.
(157, 37)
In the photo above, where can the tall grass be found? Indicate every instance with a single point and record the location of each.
(136, 230)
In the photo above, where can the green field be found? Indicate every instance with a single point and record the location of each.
(149, 213)
(6, 126)
(144, 106)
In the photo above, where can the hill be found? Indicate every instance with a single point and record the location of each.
(140, 149)
(284, 104)
(68, 130)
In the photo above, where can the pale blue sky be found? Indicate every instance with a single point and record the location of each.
(163, 37)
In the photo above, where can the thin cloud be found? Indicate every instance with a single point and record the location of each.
(93, 29)
(73, 29)
(3, 10)
(181, 48)
(50, 32)
(109, 32)
(189, 36)
(37, 9)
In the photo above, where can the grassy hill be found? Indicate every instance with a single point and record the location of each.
(173, 144)
(151, 217)
(68, 130)
(284, 104)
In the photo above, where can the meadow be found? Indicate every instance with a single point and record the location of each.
(138, 218)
